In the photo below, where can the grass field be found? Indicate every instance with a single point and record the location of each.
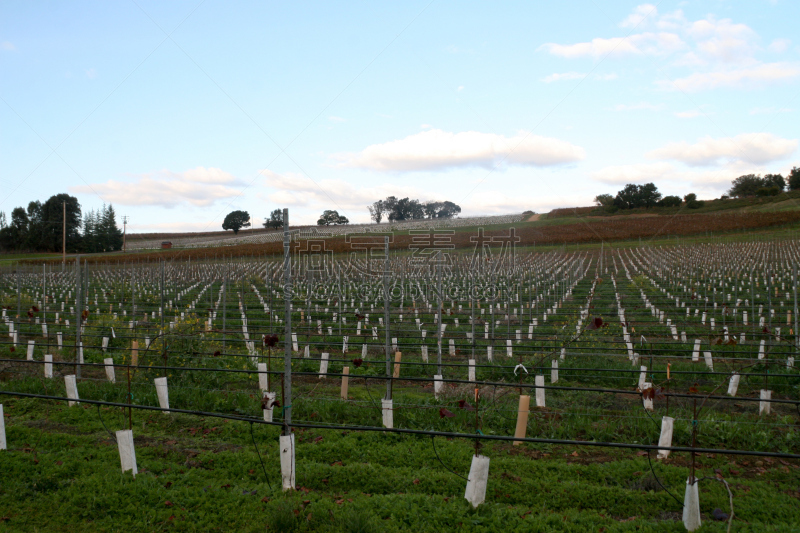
(205, 475)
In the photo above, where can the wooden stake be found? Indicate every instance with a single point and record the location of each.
(135, 353)
(522, 418)
(345, 379)
(397, 357)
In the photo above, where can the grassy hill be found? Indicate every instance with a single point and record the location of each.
(788, 201)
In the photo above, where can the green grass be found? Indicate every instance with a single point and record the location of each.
(62, 473)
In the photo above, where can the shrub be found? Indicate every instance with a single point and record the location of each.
(768, 191)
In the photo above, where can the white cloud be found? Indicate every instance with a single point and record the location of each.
(460, 88)
(638, 107)
(753, 148)
(746, 77)
(723, 40)
(688, 114)
(717, 52)
(595, 48)
(563, 76)
(769, 110)
(91, 73)
(649, 43)
(494, 202)
(336, 119)
(672, 21)
(640, 13)
(5, 45)
(438, 150)
(200, 187)
(779, 45)
(640, 173)
(297, 190)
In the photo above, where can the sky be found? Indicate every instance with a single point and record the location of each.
(179, 112)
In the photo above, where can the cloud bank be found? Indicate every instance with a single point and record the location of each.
(199, 187)
(438, 150)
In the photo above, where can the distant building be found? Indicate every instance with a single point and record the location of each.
(166, 245)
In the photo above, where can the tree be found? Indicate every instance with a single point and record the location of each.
(389, 206)
(376, 211)
(405, 209)
(236, 220)
(3, 222)
(40, 226)
(604, 200)
(53, 223)
(397, 210)
(692, 202)
(774, 180)
(794, 179)
(446, 209)
(431, 209)
(15, 235)
(670, 201)
(746, 185)
(111, 234)
(632, 196)
(331, 218)
(649, 195)
(275, 219)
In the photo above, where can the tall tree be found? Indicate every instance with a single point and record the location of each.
(275, 219)
(236, 220)
(794, 179)
(376, 211)
(746, 185)
(53, 223)
(775, 180)
(112, 235)
(35, 223)
(405, 209)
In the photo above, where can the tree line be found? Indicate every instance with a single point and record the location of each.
(39, 228)
(398, 209)
(634, 196)
(391, 208)
(769, 185)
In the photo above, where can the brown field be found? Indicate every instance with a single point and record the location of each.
(586, 231)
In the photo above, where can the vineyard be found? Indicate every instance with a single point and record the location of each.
(583, 231)
(408, 385)
(260, 236)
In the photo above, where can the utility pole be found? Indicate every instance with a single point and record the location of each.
(124, 230)
(64, 234)
(287, 341)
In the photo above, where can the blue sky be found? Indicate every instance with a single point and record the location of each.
(179, 112)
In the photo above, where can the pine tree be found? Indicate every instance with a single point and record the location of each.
(89, 233)
(112, 235)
